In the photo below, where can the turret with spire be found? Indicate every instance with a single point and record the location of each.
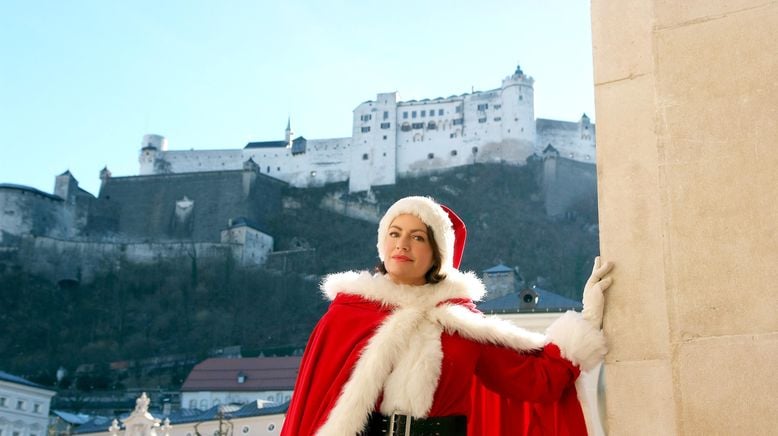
(289, 133)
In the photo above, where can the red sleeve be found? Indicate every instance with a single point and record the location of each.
(525, 394)
(539, 377)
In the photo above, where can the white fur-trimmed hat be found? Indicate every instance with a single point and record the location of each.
(448, 229)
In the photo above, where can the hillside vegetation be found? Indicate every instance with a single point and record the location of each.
(189, 306)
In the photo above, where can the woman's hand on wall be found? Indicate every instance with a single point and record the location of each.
(593, 296)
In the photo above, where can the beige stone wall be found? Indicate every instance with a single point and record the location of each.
(687, 137)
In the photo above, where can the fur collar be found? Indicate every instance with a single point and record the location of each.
(378, 287)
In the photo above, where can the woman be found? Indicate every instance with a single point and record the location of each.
(399, 351)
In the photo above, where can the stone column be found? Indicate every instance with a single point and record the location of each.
(687, 160)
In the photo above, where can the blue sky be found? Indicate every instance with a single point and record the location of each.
(82, 81)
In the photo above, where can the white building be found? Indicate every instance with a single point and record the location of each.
(392, 138)
(24, 407)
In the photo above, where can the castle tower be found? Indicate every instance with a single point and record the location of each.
(66, 186)
(374, 143)
(151, 146)
(518, 114)
(105, 174)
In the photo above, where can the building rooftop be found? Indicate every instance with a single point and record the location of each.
(246, 374)
(267, 144)
(10, 378)
(498, 269)
(547, 302)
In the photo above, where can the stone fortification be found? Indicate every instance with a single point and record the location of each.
(71, 234)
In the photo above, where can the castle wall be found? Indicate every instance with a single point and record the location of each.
(59, 259)
(26, 211)
(146, 207)
(568, 185)
(573, 141)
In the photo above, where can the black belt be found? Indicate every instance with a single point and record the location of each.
(405, 425)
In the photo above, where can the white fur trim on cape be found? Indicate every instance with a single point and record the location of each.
(378, 287)
(578, 340)
(430, 212)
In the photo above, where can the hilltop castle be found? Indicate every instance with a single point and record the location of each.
(212, 203)
(392, 138)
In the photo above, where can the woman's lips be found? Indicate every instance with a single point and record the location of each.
(401, 258)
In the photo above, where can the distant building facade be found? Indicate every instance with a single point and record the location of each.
(24, 407)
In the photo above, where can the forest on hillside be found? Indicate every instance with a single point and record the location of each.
(189, 307)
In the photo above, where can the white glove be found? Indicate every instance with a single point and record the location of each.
(593, 298)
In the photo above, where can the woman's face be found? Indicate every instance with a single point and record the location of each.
(407, 251)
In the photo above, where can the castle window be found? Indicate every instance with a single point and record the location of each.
(497, 118)
(405, 115)
(497, 106)
(452, 135)
(367, 117)
(20, 405)
(2, 401)
(423, 114)
(521, 97)
(482, 120)
(430, 155)
(440, 112)
(278, 168)
(36, 408)
(384, 137)
(386, 115)
(431, 126)
(453, 152)
(483, 107)
(364, 156)
(268, 169)
(406, 127)
(458, 121)
(459, 109)
(475, 150)
(365, 129)
(386, 125)
(413, 114)
(417, 125)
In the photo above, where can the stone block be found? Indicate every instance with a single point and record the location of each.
(639, 398)
(713, 96)
(628, 54)
(670, 13)
(722, 271)
(729, 385)
(636, 310)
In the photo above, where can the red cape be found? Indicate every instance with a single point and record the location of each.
(335, 346)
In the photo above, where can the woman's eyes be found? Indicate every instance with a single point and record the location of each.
(418, 238)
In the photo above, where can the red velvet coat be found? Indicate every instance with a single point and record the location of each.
(427, 352)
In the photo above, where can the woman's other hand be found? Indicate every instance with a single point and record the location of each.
(593, 298)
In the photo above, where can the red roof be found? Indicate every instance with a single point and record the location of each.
(261, 374)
